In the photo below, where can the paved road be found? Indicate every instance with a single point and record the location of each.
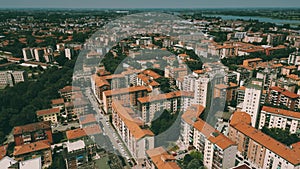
(107, 128)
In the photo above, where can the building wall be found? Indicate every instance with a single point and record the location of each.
(251, 103)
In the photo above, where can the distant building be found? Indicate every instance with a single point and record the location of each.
(27, 54)
(67, 92)
(34, 163)
(32, 133)
(10, 78)
(68, 53)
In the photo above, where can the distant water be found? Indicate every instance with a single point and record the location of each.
(260, 19)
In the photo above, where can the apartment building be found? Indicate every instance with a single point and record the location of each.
(272, 117)
(10, 77)
(259, 150)
(281, 97)
(172, 101)
(33, 150)
(49, 115)
(58, 103)
(251, 103)
(32, 133)
(218, 150)
(128, 96)
(75, 154)
(129, 128)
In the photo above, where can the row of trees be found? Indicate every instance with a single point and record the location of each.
(281, 135)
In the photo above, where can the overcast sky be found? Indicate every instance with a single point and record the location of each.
(147, 3)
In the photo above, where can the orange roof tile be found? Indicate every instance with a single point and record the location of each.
(132, 126)
(283, 112)
(284, 92)
(125, 90)
(83, 132)
(31, 147)
(57, 101)
(191, 115)
(290, 154)
(32, 127)
(161, 159)
(48, 111)
(68, 89)
(213, 135)
(164, 96)
(89, 118)
(240, 117)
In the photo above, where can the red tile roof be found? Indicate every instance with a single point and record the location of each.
(86, 119)
(83, 132)
(32, 127)
(32, 147)
(164, 96)
(57, 101)
(125, 90)
(131, 124)
(162, 159)
(48, 111)
(283, 112)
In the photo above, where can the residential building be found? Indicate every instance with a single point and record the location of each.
(258, 149)
(87, 120)
(34, 163)
(272, 117)
(251, 102)
(3, 151)
(129, 127)
(218, 150)
(75, 154)
(32, 150)
(126, 95)
(173, 101)
(32, 133)
(27, 54)
(281, 97)
(294, 59)
(10, 77)
(6, 162)
(58, 103)
(159, 158)
(49, 115)
(81, 133)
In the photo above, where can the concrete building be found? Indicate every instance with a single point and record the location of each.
(27, 54)
(173, 101)
(281, 97)
(252, 101)
(129, 128)
(10, 78)
(288, 120)
(128, 96)
(218, 150)
(259, 150)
